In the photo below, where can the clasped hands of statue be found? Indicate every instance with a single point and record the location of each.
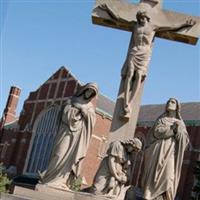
(175, 126)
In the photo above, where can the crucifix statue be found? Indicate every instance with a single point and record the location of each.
(145, 20)
(4, 149)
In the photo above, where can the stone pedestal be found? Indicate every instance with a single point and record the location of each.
(43, 192)
(11, 197)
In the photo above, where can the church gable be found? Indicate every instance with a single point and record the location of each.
(55, 90)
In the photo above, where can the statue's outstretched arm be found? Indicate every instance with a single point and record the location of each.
(176, 27)
(113, 12)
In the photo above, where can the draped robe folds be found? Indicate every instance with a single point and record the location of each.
(71, 143)
(163, 159)
(138, 56)
(104, 175)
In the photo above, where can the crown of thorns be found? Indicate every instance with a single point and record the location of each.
(142, 13)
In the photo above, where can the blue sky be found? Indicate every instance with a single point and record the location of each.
(38, 37)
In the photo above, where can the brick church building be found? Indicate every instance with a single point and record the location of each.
(26, 141)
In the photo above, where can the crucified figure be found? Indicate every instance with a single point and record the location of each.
(134, 69)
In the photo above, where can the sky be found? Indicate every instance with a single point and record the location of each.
(37, 37)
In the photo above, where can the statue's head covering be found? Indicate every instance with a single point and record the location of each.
(85, 87)
(178, 108)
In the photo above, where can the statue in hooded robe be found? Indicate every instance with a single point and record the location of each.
(168, 139)
(115, 169)
(76, 125)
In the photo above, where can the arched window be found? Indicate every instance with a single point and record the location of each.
(44, 132)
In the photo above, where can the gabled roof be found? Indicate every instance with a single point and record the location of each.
(190, 112)
(148, 113)
(12, 125)
(105, 105)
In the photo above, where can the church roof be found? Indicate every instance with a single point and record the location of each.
(148, 113)
(190, 112)
(105, 105)
(12, 125)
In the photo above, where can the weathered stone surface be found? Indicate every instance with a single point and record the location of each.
(72, 141)
(47, 193)
(145, 20)
(163, 158)
(115, 170)
(126, 12)
(10, 197)
(121, 129)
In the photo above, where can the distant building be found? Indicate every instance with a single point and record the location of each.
(26, 142)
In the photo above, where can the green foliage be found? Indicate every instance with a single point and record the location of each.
(76, 184)
(4, 181)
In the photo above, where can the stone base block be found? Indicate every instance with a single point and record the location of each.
(10, 197)
(43, 192)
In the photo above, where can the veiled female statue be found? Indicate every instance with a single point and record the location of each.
(77, 122)
(168, 139)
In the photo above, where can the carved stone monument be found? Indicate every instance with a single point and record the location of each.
(115, 169)
(76, 125)
(145, 20)
(163, 159)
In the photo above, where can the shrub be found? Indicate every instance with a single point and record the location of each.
(4, 181)
(76, 184)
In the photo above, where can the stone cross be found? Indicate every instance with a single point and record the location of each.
(145, 20)
(4, 149)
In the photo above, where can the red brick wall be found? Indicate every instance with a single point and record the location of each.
(69, 90)
(17, 150)
(102, 126)
(52, 91)
(40, 106)
(25, 117)
(92, 160)
(33, 95)
(187, 178)
(11, 105)
(44, 91)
